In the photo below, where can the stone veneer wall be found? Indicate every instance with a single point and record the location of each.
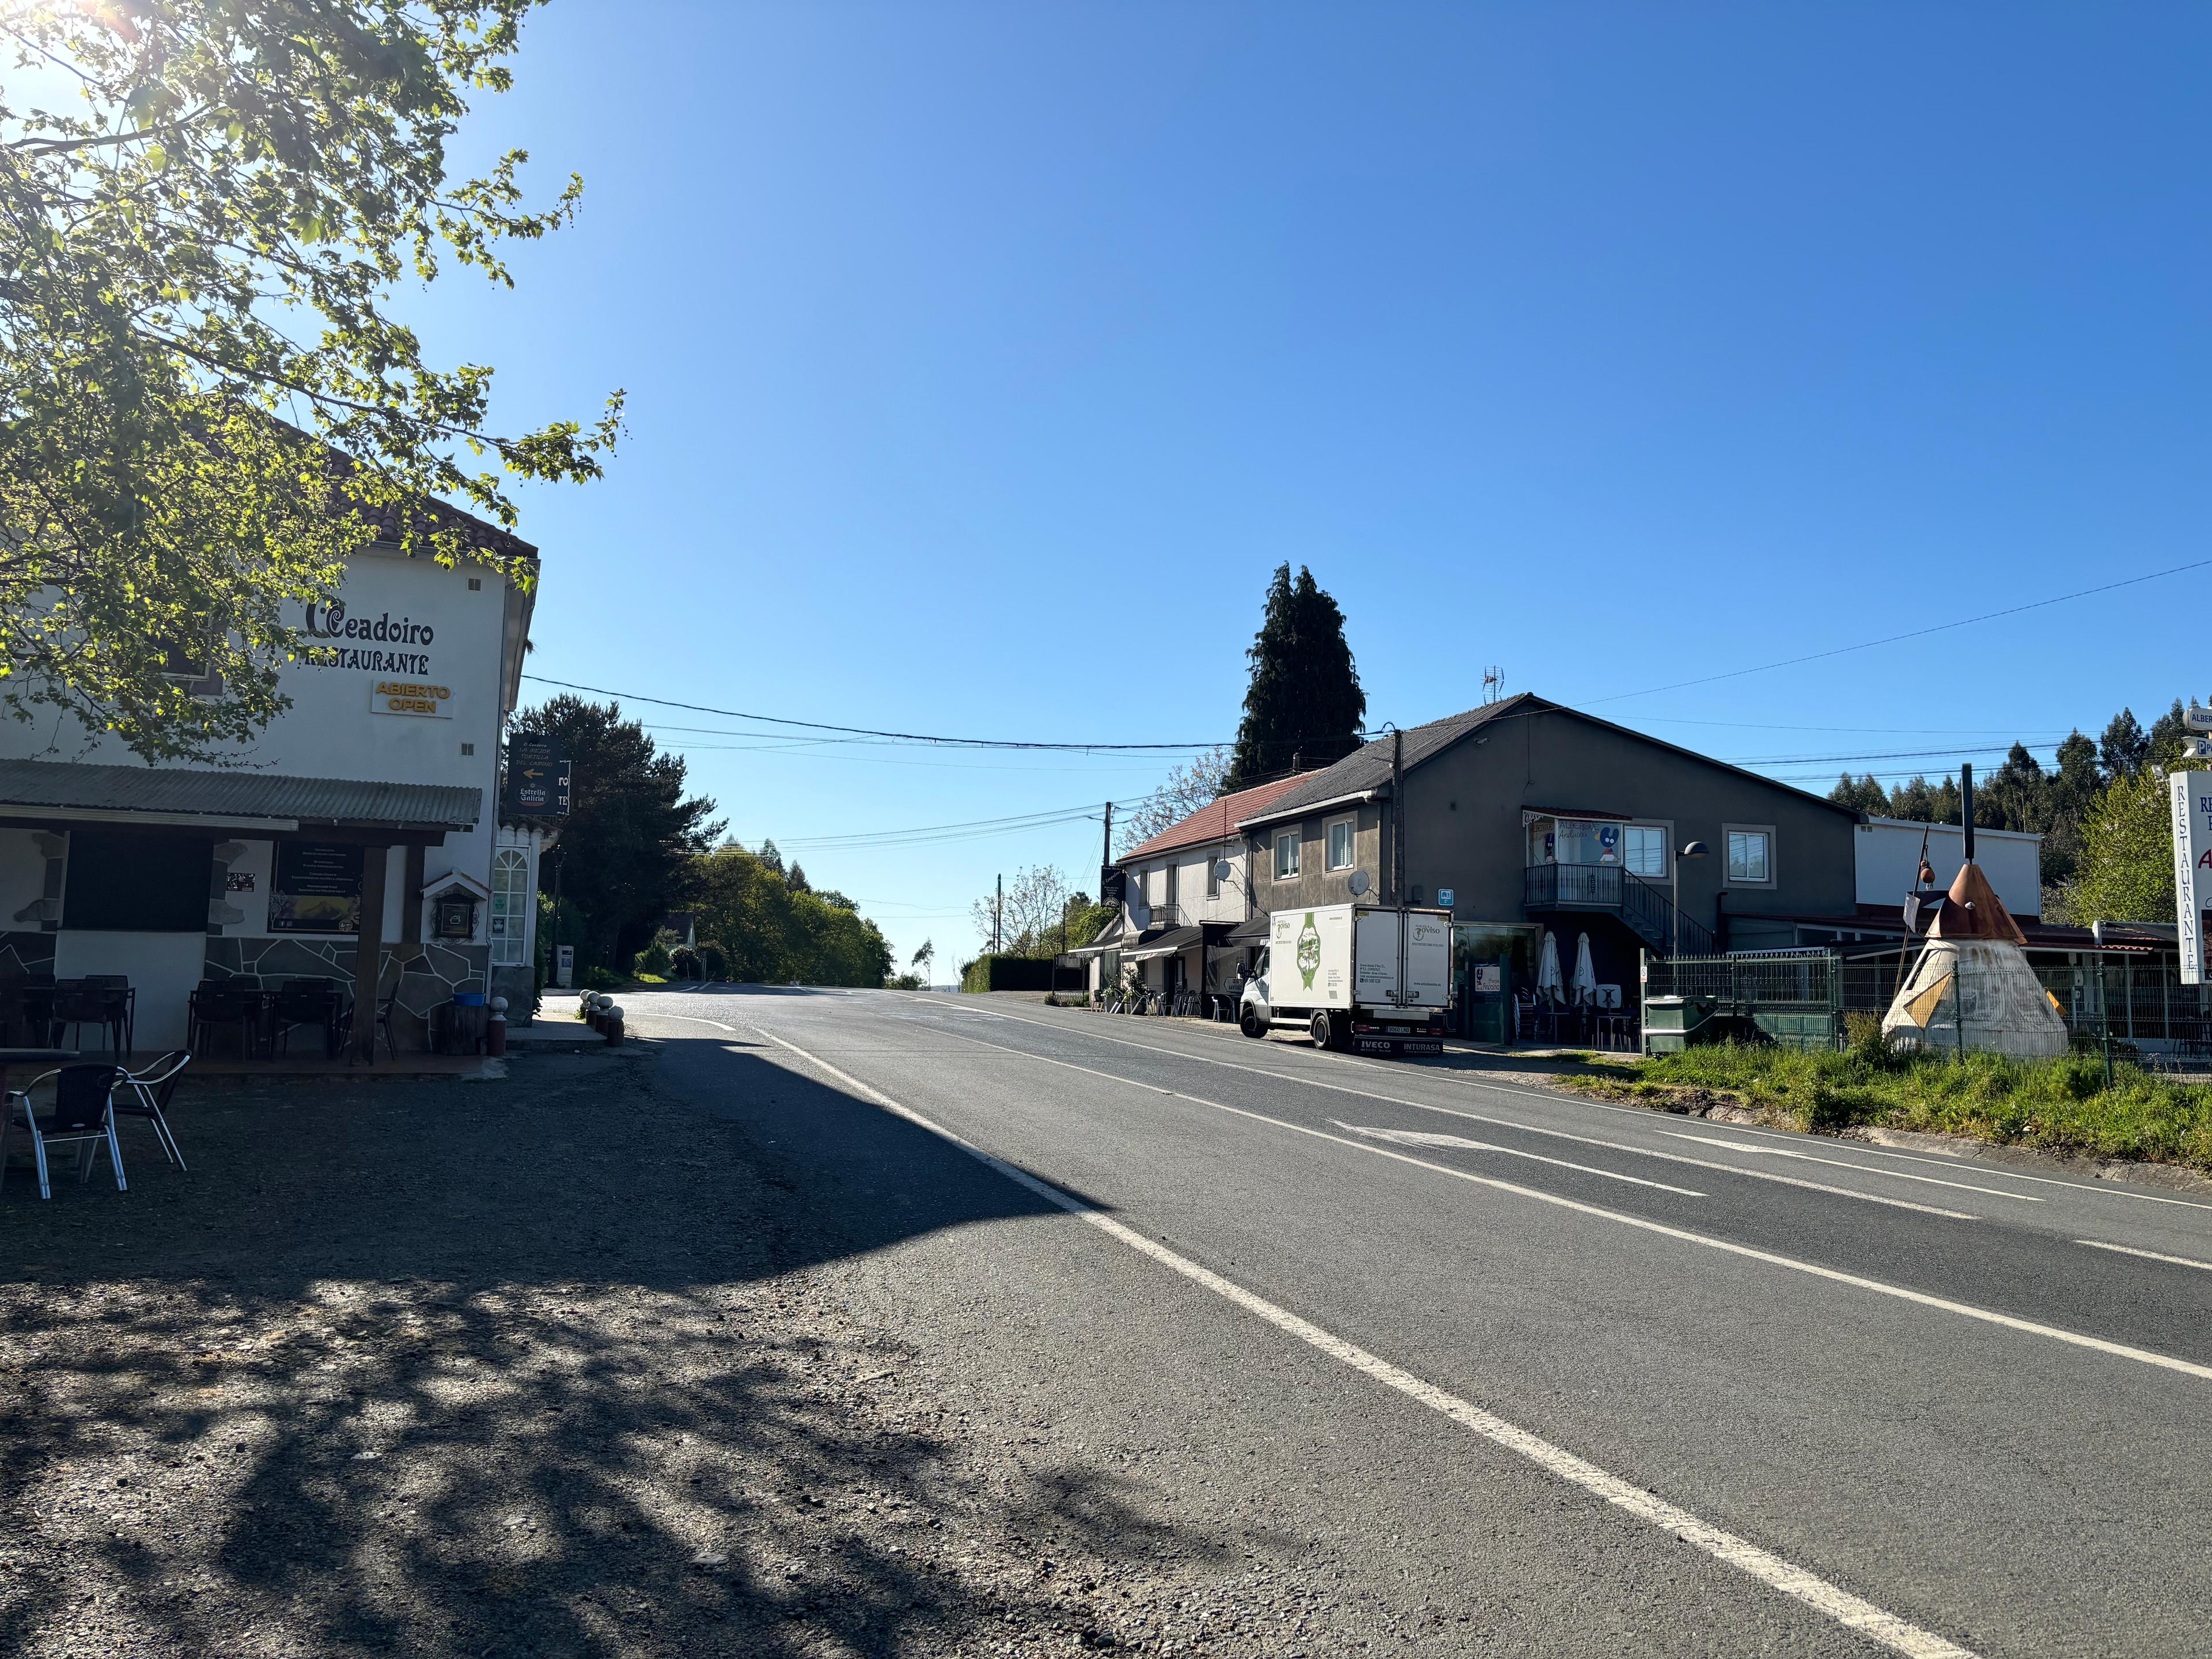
(27, 955)
(429, 974)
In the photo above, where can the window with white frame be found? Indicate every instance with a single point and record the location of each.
(510, 906)
(1214, 875)
(1286, 854)
(1643, 850)
(1339, 843)
(1751, 855)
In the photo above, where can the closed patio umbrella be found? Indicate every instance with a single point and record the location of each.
(1585, 981)
(1548, 969)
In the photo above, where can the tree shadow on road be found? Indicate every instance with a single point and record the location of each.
(451, 1369)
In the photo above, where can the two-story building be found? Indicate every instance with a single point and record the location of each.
(1172, 933)
(361, 816)
(1524, 816)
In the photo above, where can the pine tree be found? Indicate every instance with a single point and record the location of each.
(1304, 704)
(1863, 794)
(2123, 748)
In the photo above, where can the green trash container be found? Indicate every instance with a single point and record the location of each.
(1673, 1024)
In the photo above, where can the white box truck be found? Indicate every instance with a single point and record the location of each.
(1368, 978)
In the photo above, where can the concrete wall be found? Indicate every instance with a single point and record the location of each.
(1148, 877)
(1888, 858)
(1316, 883)
(1464, 829)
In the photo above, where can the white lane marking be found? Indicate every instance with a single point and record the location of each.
(1843, 1164)
(1849, 1611)
(1551, 1098)
(655, 1013)
(1510, 1123)
(1423, 1138)
(1835, 1275)
(1948, 1161)
(2153, 1256)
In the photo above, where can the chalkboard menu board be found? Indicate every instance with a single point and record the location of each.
(536, 784)
(317, 888)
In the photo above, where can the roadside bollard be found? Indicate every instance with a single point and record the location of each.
(496, 1028)
(612, 1024)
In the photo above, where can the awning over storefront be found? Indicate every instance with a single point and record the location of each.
(1173, 942)
(68, 791)
(1109, 937)
(1252, 930)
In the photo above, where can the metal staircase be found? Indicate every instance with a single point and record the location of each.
(1644, 909)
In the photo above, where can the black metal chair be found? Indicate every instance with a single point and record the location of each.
(83, 1114)
(102, 1000)
(227, 1004)
(149, 1098)
(316, 1002)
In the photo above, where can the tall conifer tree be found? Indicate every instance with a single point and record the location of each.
(1304, 703)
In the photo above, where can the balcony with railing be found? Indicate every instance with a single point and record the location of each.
(1644, 909)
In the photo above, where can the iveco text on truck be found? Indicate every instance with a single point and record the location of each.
(1368, 978)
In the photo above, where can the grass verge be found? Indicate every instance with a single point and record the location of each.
(2061, 1105)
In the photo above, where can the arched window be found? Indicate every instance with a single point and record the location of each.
(510, 907)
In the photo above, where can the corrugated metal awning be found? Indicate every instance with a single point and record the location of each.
(176, 794)
(1175, 941)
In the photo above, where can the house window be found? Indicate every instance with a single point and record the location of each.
(1340, 844)
(1643, 850)
(1214, 875)
(1171, 885)
(1751, 856)
(510, 906)
(1286, 855)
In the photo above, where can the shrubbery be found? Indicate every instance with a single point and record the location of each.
(653, 959)
(989, 973)
(683, 964)
(2061, 1104)
(713, 964)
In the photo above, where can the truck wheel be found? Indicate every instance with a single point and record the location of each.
(1324, 1029)
(1251, 1025)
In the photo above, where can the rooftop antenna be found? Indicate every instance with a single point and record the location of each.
(1493, 684)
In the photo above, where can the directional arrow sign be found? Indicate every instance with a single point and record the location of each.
(537, 780)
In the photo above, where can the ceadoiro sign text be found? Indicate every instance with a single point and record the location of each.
(330, 622)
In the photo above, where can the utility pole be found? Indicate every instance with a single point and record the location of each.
(999, 919)
(1106, 852)
(1398, 815)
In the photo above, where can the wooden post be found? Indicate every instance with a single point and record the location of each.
(368, 951)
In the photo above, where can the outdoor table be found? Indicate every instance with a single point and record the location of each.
(32, 1057)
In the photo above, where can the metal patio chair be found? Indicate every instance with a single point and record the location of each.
(149, 1098)
(83, 1114)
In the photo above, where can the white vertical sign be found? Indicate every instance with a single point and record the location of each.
(2191, 793)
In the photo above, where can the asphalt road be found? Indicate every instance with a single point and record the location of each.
(1526, 1373)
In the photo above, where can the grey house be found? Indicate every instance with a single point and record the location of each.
(1523, 815)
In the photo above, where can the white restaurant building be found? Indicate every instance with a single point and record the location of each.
(376, 790)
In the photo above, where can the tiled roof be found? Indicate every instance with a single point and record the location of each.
(175, 791)
(1216, 820)
(1368, 767)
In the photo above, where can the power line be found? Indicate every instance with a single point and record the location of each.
(1914, 634)
(870, 731)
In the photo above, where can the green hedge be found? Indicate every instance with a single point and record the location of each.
(1008, 974)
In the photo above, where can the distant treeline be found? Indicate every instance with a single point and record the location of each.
(2058, 804)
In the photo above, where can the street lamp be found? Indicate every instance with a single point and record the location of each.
(1690, 849)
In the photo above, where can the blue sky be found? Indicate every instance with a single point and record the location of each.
(983, 361)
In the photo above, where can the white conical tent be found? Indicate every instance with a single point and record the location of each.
(1972, 971)
(1585, 980)
(1548, 968)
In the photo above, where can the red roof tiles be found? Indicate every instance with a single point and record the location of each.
(1216, 820)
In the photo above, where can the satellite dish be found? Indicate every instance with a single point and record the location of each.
(1358, 884)
(1222, 870)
